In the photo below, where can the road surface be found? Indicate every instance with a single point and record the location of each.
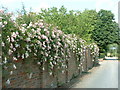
(104, 76)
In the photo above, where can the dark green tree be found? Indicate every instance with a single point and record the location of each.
(106, 30)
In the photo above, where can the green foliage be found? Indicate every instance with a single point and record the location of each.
(106, 30)
(112, 49)
(71, 22)
(86, 23)
(25, 17)
(89, 25)
(119, 51)
(34, 41)
(102, 55)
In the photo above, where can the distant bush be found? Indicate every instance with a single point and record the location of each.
(102, 55)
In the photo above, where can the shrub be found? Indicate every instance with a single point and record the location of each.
(40, 41)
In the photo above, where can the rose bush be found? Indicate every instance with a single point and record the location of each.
(38, 42)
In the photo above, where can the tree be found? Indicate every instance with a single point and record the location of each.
(86, 23)
(106, 30)
(25, 17)
(71, 22)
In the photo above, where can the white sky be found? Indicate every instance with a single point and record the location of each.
(112, 5)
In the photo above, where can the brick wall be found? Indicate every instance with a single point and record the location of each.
(42, 79)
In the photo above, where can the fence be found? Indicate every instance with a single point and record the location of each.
(42, 79)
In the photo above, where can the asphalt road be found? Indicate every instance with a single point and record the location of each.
(104, 76)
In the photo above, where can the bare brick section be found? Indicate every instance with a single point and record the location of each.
(41, 78)
(89, 59)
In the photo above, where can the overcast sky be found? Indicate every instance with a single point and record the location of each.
(81, 5)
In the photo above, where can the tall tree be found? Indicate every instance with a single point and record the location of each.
(106, 30)
(87, 23)
(71, 22)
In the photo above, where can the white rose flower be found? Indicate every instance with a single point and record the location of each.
(14, 49)
(5, 22)
(11, 72)
(30, 24)
(50, 73)
(46, 54)
(36, 23)
(14, 66)
(30, 75)
(63, 71)
(8, 39)
(1, 24)
(43, 68)
(12, 39)
(39, 37)
(3, 44)
(24, 24)
(5, 60)
(17, 33)
(32, 30)
(53, 35)
(26, 54)
(10, 52)
(14, 58)
(1, 18)
(51, 64)
(38, 63)
(8, 81)
(23, 56)
(28, 39)
(17, 45)
(41, 24)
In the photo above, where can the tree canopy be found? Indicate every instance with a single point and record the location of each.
(76, 22)
(99, 27)
(106, 30)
